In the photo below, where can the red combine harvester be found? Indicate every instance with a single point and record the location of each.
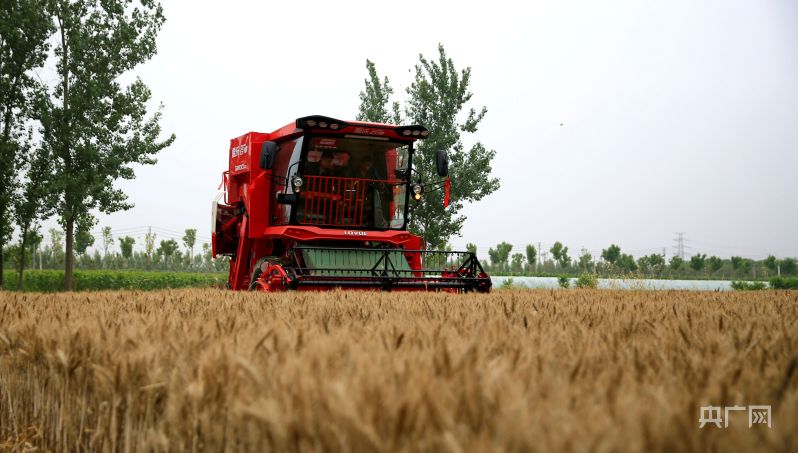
(323, 203)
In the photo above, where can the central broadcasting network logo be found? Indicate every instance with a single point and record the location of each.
(757, 415)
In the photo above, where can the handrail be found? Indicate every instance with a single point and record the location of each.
(341, 201)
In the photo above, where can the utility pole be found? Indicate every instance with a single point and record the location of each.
(540, 252)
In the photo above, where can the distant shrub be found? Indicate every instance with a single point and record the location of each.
(51, 280)
(507, 284)
(564, 281)
(784, 282)
(748, 286)
(587, 281)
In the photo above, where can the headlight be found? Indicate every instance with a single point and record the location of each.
(417, 190)
(297, 183)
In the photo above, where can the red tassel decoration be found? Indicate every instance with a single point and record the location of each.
(446, 193)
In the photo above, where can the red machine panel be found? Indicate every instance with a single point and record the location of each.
(245, 152)
(244, 156)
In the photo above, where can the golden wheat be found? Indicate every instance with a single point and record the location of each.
(516, 370)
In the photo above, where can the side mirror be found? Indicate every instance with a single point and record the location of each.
(267, 154)
(442, 163)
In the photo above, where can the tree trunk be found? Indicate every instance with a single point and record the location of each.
(70, 238)
(70, 213)
(21, 267)
(33, 255)
(6, 137)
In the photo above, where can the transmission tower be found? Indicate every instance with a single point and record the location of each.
(678, 249)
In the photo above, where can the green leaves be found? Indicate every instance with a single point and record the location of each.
(83, 240)
(167, 248)
(94, 127)
(715, 263)
(374, 100)
(126, 245)
(698, 261)
(771, 262)
(189, 239)
(98, 280)
(611, 254)
(585, 260)
(531, 255)
(501, 254)
(436, 99)
(24, 28)
(653, 263)
(626, 263)
(788, 265)
(517, 265)
(560, 254)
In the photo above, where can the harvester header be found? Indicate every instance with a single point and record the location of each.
(323, 203)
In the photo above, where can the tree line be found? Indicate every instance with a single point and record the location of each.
(613, 262)
(116, 253)
(64, 141)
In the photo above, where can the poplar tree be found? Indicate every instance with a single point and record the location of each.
(95, 127)
(532, 256)
(189, 239)
(24, 28)
(33, 203)
(374, 100)
(126, 245)
(437, 99)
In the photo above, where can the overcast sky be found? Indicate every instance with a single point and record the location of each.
(677, 116)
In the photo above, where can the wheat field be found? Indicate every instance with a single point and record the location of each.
(515, 370)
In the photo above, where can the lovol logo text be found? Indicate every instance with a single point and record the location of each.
(369, 131)
(355, 233)
(239, 150)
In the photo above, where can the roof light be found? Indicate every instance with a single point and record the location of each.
(314, 121)
(416, 133)
(406, 132)
(424, 133)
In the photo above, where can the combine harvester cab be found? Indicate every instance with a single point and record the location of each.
(323, 204)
